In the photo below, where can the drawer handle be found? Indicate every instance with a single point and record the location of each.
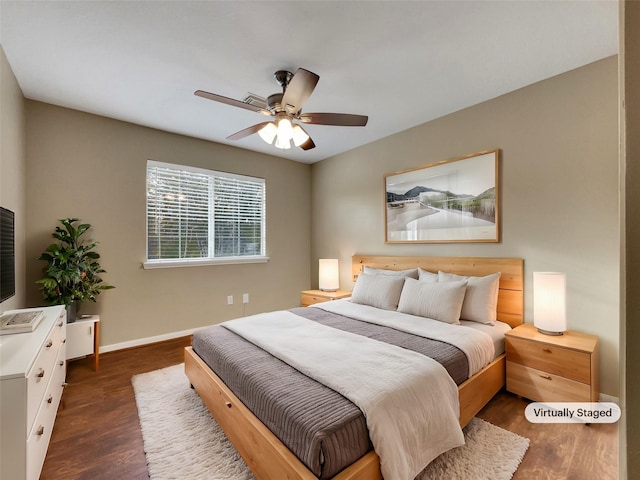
(50, 399)
(64, 340)
(40, 431)
(546, 350)
(546, 377)
(228, 404)
(61, 363)
(49, 344)
(40, 374)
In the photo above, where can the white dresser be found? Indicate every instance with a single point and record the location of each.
(32, 375)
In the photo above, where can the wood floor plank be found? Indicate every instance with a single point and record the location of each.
(97, 432)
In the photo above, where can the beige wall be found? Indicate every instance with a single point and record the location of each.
(559, 192)
(12, 169)
(91, 167)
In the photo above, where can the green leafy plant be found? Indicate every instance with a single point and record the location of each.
(72, 273)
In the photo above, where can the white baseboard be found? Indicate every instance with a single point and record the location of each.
(609, 398)
(145, 341)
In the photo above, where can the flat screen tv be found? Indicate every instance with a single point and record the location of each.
(7, 255)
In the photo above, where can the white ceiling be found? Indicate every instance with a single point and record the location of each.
(400, 63)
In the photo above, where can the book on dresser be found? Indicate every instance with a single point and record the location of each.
(19, 322)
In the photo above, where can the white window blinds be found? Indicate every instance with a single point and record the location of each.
(195, 214)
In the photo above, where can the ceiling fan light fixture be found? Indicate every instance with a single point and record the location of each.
(268, 132)
(282, 131)
(285, 129)
(282, 143)
(299, 136)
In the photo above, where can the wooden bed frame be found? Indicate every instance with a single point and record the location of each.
(269, 459)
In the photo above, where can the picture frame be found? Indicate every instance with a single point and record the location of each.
(452, 201)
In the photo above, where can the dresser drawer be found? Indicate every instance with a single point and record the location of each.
(40, 433)
(543, 386)
(41, 372)
(560, 361)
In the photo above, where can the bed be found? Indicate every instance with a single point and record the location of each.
(269, 458)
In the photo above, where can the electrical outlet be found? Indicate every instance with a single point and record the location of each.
(230, 300)
(245, 298)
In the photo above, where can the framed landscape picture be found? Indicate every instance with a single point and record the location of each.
(450, 201)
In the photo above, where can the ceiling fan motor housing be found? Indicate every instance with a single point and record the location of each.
(274, 102)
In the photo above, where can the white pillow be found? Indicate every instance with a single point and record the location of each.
(412, 272)
(380, 291)
(426, 276)
(481, 299)
(439, 301)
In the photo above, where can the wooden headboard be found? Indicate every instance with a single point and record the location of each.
(510, 295)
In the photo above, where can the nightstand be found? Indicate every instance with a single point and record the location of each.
(309, 297)
(83, 338)
(547, 368)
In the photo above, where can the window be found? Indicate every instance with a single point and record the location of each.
(197, 216)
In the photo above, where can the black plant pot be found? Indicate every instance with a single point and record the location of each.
(72, 312)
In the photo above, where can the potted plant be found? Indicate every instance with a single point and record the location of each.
(72, 273)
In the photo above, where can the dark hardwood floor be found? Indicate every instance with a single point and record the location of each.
(97, 433)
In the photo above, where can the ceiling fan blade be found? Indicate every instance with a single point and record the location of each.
(247, 131)
(308, 145)
(337, 119)
(298, 90)
(230, 101)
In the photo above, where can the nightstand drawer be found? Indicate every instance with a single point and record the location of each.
(543, 386)
(311, 299)
(560, 361)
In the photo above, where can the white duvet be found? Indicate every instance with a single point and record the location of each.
(409, 401)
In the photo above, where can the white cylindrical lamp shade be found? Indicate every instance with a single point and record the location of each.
(329, 274)
(549, 302)
(268, 132)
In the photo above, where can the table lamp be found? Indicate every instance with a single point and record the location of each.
(549, 304)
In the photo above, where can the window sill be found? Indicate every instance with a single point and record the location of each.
(151, 264)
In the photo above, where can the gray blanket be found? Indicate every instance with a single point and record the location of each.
(322, 428)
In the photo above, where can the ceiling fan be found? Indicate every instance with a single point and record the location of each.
(286, 107)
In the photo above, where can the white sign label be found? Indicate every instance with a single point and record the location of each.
(572, 412)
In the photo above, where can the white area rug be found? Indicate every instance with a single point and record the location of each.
(182, 441)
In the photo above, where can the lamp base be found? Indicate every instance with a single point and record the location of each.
(328, 289)
(547, 332)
